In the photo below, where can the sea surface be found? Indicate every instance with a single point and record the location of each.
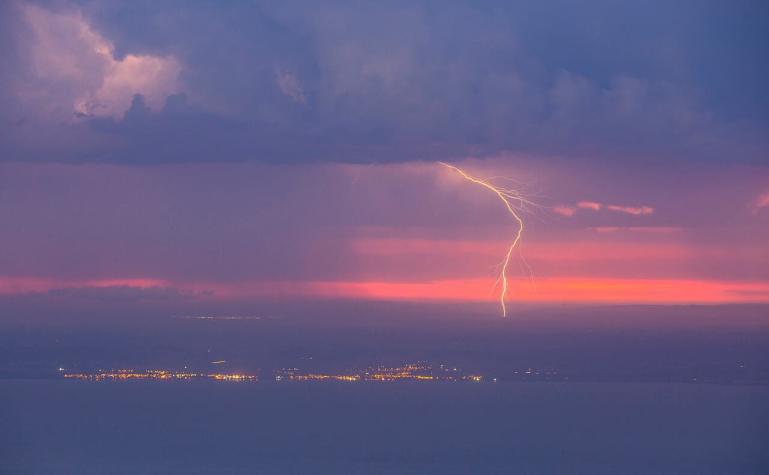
(200, 427)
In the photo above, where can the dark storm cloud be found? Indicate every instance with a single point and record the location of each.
(365, 81)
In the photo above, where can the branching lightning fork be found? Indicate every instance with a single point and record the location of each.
(514, 202)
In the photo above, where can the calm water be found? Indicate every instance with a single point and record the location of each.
(68, 427)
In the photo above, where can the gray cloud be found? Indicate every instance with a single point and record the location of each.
(360, 81)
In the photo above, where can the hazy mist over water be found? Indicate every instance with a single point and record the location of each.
(726, 344)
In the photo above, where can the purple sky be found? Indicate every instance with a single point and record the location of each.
(249, 150)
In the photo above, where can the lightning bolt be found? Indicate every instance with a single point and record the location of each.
(510, 198)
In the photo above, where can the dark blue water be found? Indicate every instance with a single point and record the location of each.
(68, 427)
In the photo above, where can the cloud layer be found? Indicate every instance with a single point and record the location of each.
(366, 81)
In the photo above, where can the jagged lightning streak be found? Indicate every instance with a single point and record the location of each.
(508, 197)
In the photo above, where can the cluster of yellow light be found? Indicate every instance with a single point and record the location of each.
(412, 372)
(156, 374)
(401, 376)
(513, 203)
(409, 372)
(318, 377)
(231, 377)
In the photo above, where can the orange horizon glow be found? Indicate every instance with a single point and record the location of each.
(556, 290)
(547, 290)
